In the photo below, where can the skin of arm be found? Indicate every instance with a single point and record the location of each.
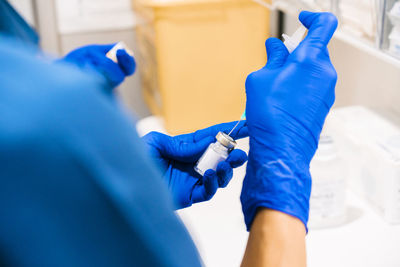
(276, 239)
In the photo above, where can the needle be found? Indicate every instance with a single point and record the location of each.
(241, 118)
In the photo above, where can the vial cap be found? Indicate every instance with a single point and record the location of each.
(226, 140)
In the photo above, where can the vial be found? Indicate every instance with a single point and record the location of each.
(328, 194)
(215, 153)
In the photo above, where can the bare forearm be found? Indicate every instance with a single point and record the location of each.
(276, 240)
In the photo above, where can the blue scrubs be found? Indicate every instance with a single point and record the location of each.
(76, 187)
(12, 24)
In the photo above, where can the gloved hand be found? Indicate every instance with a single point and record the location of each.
(287, 102)
(177, 156)
(93, 57)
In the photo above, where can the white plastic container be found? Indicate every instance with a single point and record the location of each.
(215, 153)
(371, 142)
(328, 195)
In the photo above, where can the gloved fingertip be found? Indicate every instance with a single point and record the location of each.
(242, 132)
(224, 173)
(308, 18)
(305, 16)
(237, 158)
(210, 181)
(271, 42)
(126, 62)
(321, 27)
(277, 52)
(122, 53)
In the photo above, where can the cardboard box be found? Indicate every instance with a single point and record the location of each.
(194, 57)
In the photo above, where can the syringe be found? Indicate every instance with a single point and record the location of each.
(291, 42)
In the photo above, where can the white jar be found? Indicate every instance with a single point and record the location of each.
(215, 153)
(328, 194)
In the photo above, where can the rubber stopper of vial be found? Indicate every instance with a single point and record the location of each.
(226, 140)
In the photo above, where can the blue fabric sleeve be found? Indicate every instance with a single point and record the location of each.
(12, 24)
(76, 188)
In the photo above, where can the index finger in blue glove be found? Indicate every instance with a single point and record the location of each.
(178, 148)
(240, 131)
(206, 190)
(224, 173)
(321, 27)
(126, 62)
(187, 152)
(277, 53)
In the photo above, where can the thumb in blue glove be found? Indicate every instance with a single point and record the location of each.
(178, 155)
(287, 103)
(93, 58)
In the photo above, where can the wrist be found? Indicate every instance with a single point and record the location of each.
(277, 182)
(282, 224)
(276, 239)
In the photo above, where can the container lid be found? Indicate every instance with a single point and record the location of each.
(226, 140)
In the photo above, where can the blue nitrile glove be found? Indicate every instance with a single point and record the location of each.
(93, 57)
(177, 156)
(287, 102)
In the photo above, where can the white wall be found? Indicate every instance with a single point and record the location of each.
(76, 16)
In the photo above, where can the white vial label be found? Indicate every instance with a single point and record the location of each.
(327, 203)
(210, 160)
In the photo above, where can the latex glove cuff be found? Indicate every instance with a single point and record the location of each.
(279, 184)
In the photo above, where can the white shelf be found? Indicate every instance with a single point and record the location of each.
(367, 47)
(94, 16)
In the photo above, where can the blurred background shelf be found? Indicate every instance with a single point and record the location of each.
(367, 47)
(366, 74)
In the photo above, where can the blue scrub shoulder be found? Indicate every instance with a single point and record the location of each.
(76, 187)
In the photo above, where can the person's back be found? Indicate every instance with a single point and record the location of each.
(76, 188)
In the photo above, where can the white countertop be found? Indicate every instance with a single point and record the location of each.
(218, 229)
